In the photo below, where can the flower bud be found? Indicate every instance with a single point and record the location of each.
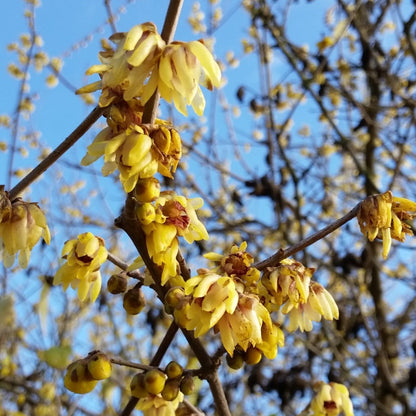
(236, 361)
(99, 366)
(116, 284)
(147, 190)
(187, 385)
(171, 390)
(77, 378)
(154, 381)
(137, 386)
(134, 301)
(173, 296)
(146, 213)
(173, 370)
(252, 356)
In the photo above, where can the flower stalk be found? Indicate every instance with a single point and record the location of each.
(306, 242)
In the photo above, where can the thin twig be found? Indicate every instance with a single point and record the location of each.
(282, 254)
(166, 341)
(195, 411)
(117, 262)
(131, 364)
(110, 14)
(57, 153)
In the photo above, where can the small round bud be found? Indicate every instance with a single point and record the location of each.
(99, 366)
(146, 213)
(171, 390)
(173, 370)
(236, 361)
(252, 356)
(116, 284)
(154, 381)
(147, 190)
(137, 386)
(77, 378)
(187, 385)
(173, 296)
(134, 301)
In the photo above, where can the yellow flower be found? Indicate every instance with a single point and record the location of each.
(319, 304)
(236, 264)
(123, 71)
(383, 216)
(163, 220)
(244, 327)
(331, 400)
(136, 151)
(225, 299)
(181, 68)
(212, 296)
(288, 282)
(155, 405)
(84, 257)
(288, 287)
(142, 62)
(21, 226)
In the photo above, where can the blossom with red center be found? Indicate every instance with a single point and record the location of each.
(84, 257)
(330, 400)
(164, 220)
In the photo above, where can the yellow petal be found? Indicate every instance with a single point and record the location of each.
(83, 287)
(165, 67)
(132, 37)
(24, 257)
(97, 69)
(135, 148)
(95, 287)
(404, 204)
(150, 87)
(142, 52)
(112, 145)
(205, 284)
(386, 241)
(207, 61)
(187, 73)
(198, 102)
(94, 86)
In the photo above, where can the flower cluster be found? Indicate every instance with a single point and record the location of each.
(225, 299)
(181, 68)
(142, 62)
(288, 287)
(330, 400)
(233, 299)
(137, 151)
(84, 256)
(163, 221)
(161, 392)
(22, 224)
(383, 216)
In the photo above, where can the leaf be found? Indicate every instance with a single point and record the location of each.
(56, 357)
(43, 307)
